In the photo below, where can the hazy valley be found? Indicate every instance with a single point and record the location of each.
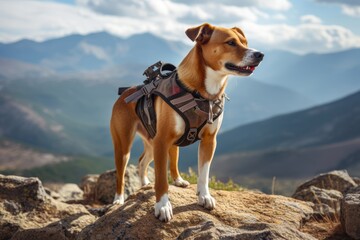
(56, 98)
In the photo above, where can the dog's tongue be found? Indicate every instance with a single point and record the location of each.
(252, 68)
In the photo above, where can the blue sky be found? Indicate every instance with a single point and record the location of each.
(304, 26)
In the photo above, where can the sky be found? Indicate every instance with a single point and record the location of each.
(299, 26)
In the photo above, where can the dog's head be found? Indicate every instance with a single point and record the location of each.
(225, 49)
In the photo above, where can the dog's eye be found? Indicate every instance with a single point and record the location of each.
(231, 43)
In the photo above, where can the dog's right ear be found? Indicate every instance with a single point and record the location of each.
(200, 34)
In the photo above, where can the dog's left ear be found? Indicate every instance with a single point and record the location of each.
(200, 34)
(238, 30)
(241, 34)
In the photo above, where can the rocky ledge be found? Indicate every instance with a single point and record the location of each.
(28, 211)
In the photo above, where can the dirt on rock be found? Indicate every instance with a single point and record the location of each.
(238, 215)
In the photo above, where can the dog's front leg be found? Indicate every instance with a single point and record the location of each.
(174, 170)
(206, 152)
(163, 208)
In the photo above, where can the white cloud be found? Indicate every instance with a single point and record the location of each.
(280, 5)
(311, 19)
(351, 10)
(345, 2)
(279, 17)
(41, 20)
(349, 7)
(166, 10)
(96, 51)
(303, 38)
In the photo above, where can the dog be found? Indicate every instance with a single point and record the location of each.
(218, 53)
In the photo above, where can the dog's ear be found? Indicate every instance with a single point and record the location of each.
(238, 30)
(241, 35)
(200, 34)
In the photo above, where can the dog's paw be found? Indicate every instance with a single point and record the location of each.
(145, 181)
(118, 199)
(207, 201)
(163, 209)
(180, 182)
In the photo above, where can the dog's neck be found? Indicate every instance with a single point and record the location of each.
(197, 76)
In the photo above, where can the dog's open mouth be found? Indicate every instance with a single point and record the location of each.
(246, 69)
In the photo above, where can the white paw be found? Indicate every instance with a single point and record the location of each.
(179, 182)
(118, 199)
(163, 209)
(207, 201)
(145, 181)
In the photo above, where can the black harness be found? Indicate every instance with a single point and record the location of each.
(196, 111)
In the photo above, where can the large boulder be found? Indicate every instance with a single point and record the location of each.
(325, 191)
(238, 215)
(24, 204)
(326, 202)
(335, 180)
(106, 184)
(350, 213)
(27, 193)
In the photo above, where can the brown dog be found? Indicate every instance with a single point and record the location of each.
(218, 52)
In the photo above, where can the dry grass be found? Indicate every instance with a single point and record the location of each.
(214, 183)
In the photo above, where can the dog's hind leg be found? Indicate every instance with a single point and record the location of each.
(174, 170)
(123, 136)
(144, 161)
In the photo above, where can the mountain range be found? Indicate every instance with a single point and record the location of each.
(319, 77)
(56, 96)
(299, 144)
(70, 84)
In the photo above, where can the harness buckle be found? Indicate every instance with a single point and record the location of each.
(192, 134)
(152, 71)
(147, 89)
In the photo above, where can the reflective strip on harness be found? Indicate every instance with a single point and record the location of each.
(188, 106)
(182, 99)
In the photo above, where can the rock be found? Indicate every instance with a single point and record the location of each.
(28, 193)
(67, 228)
(350, 213)
(52, 193)
(238, 215)
(209, 230)
(70, 192)
(24, 204)
(106, 184)
(326, 202)
(88, 185)
(356, 180)
(335, 180)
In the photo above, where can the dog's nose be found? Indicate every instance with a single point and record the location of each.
(258, 55)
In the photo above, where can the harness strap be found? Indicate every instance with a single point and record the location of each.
(200, 112)
(182, 99)
(188, 106)
(147, 105)
(144, 91)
